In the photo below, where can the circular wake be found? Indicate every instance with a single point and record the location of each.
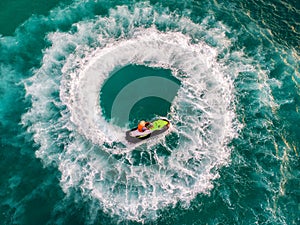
(67, 121)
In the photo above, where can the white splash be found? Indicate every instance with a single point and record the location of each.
(67, 123)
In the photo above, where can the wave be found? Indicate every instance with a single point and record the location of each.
(67, 122)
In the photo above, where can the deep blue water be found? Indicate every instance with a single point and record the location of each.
(75, 75)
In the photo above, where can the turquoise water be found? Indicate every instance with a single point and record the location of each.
(75, 75)
(146, 108)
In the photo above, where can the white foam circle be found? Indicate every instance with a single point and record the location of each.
(81, 142)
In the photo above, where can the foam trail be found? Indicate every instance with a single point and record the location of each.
(82, 143)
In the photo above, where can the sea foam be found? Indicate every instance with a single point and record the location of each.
(69, 127)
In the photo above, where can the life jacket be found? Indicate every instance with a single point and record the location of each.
(140, 127)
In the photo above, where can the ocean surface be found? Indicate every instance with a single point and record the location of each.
(75, 75)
